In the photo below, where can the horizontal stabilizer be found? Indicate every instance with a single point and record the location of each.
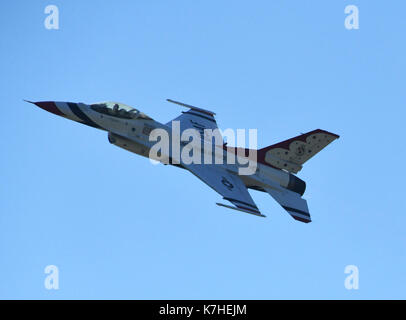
(292, 203)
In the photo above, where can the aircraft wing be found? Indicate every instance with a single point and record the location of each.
(228, 184)
(196, 118)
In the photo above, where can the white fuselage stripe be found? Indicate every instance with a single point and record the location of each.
(63, 106)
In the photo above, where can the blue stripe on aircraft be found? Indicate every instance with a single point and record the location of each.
(80, 114)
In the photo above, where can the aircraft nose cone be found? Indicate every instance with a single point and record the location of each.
(49, 106)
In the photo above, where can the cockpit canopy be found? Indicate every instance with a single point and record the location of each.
(119, 110)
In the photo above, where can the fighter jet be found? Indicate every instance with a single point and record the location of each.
(276, 166)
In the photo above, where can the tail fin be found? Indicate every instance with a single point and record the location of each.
(291, 154)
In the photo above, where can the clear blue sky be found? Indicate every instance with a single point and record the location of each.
(118, 227)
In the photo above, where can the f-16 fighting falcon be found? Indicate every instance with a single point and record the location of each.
(275, 166)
